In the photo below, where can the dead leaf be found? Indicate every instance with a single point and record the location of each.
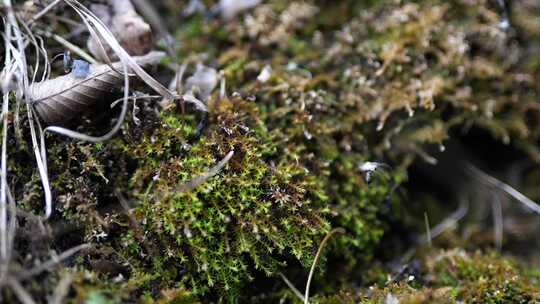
(63, 98)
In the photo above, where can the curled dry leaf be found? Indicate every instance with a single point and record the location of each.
(131, 31)
(63, 98)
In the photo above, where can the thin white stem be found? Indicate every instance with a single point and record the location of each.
(3, 156)
(497, 213)
(45, 10)
(47, 265)
(492, 181)
(296, 292)
(70, 46)
(3, 181)
(21, 293)
(428, 229)
(12, 225)
(42, 167)
(450, 221)
(319, 251)
(196, 181)
(62, 289)
(179, 76)
(222, 87)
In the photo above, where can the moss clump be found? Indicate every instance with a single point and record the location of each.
(354, 81)
(483, 278)
(265, 209)
(402, 75)
(452, 277)
(265, 212)
(259, 208)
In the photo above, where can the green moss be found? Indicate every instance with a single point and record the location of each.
(483, 278)
(351, 82)
(264, 212)
(263, 209)
(248, 212)
(452, 277)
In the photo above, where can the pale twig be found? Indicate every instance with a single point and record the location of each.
(42, 168)
(62, 289)
(493, 182)
(292, 287)
(222, 87)
(496, 208)
(45, 54)
(196, 181)
(3, 184)
(178, 77)
(312, 270)
(20, 292)
(51, 262)
(428, 229)
(8, 32)
(44, 11)
(448, 222)
(195, 101)
(43, 150)
(70, 46)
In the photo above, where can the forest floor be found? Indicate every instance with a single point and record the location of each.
(282, 152)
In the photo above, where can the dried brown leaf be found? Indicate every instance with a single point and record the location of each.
(59, 100)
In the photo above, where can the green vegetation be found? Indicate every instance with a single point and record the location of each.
(451, 277)
(352, 82)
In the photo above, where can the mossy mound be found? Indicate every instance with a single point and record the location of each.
(266, 210)
(453, 277)
(260, 208)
